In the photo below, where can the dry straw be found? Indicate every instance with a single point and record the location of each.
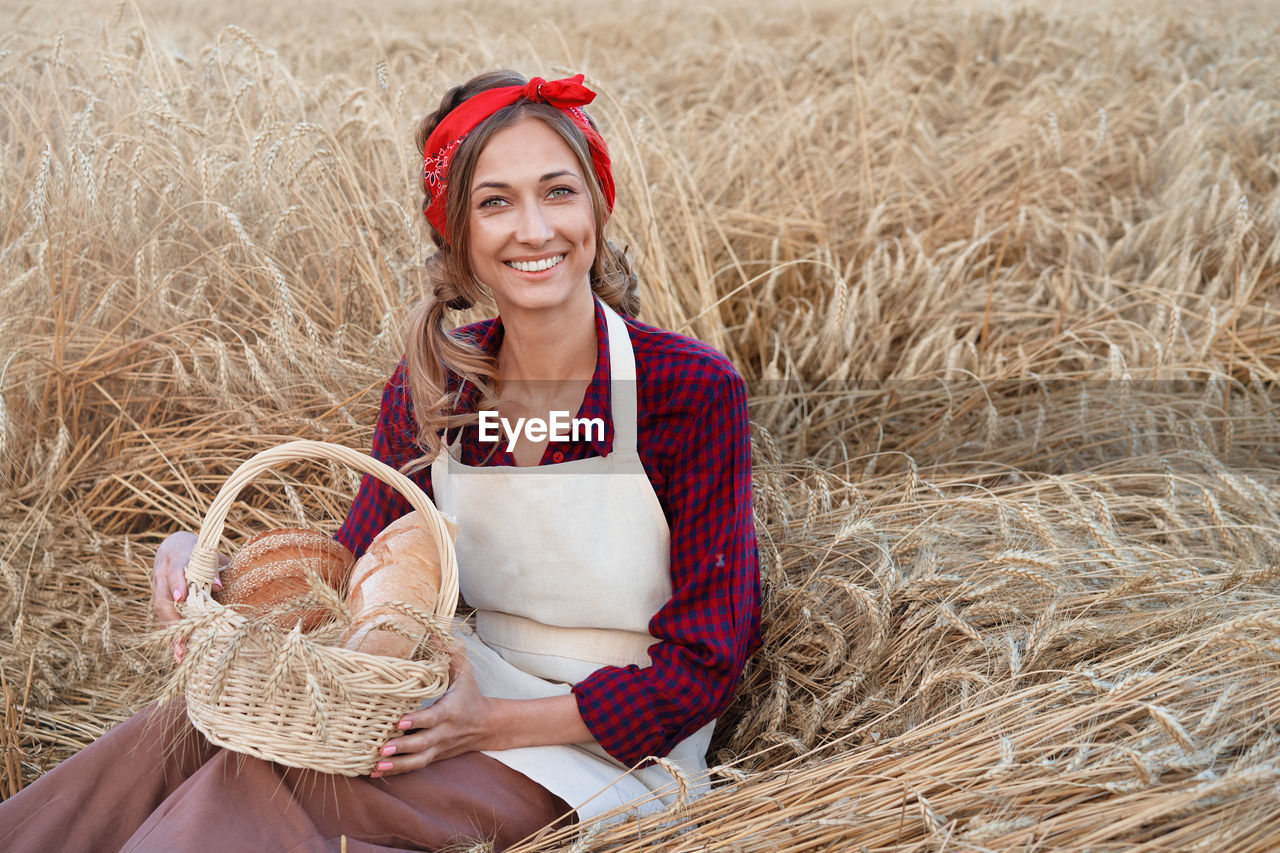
(1003, 283)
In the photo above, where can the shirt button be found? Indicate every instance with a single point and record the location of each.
(557, 456)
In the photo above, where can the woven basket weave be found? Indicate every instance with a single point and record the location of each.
(284, 696)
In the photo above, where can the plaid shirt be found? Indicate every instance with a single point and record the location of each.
(694, 444)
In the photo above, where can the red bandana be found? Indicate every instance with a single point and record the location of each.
(566, 95)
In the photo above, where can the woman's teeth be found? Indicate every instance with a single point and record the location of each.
(536, 266)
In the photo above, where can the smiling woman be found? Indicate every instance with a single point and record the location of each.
(613, 571)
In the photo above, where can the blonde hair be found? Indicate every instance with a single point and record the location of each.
(432, 352)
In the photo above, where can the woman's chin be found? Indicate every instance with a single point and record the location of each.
(531, 295)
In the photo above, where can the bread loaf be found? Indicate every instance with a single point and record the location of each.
(402, 565)
(271, 570)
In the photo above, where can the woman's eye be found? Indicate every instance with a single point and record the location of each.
(561, 192)
(492, 201)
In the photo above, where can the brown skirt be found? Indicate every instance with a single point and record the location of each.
(154, 783)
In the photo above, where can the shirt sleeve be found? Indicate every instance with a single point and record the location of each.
(376, 503)
(712, 622)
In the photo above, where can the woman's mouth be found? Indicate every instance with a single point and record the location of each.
(536, 266)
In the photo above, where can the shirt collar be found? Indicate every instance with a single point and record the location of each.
(596, 400)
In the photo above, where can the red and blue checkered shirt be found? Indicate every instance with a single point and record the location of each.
(694, 444)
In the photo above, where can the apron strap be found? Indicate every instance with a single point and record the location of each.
(622, 382)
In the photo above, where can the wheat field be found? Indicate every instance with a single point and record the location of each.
(1003, 279)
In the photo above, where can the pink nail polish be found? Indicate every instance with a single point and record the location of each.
(177, 595)
(385, 765)
(388, 750)
(404, 724)
(375, 775)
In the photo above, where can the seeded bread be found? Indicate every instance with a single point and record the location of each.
(271, 570)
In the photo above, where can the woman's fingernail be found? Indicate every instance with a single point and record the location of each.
(217, 584)
(177, 595)
(385, 765)
(404, 724)
(388, 750)
(375, 775)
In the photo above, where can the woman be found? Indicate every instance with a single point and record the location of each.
(613, 570)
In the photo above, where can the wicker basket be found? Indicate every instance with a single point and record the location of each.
(282, 695)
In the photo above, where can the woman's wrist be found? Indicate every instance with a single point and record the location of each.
(513, 723)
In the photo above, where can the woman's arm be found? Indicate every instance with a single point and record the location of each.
(711, 624)
(377, 504)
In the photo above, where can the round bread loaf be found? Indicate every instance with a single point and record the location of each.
(402, 565)
(271, 570)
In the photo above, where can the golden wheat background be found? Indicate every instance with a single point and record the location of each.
(1004, 280)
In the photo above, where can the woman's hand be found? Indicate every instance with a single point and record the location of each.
(169, 582)
(459, 721)
(464, 719)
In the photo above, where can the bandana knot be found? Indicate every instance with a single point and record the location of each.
(561, 94)
(533, 89)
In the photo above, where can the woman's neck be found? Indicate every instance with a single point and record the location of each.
(549, 346)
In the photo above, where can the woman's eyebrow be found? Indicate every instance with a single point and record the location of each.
(500, 185)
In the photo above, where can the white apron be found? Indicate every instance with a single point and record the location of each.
(565, 565)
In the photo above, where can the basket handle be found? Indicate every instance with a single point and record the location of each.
(204, 557)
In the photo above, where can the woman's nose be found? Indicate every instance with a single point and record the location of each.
(534, 228)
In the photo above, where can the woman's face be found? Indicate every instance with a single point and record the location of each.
(532, 231)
